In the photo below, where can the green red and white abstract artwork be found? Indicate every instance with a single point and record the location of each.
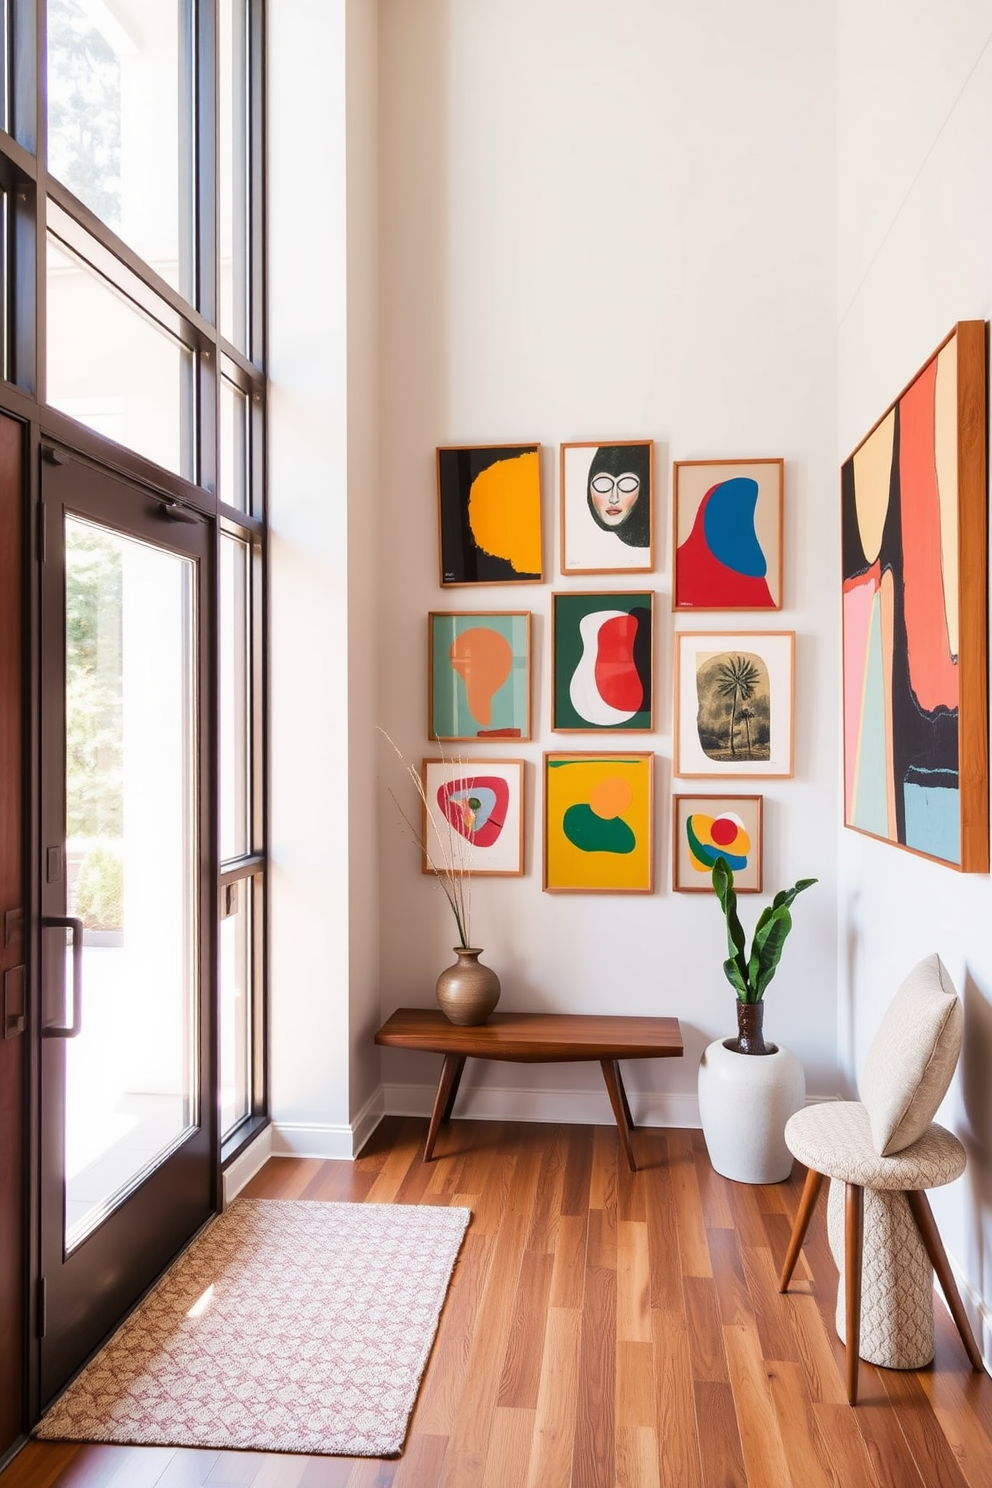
(705, 828)
(479, 675)
(733, 703)
(489, 514)
(473, 816)
(914, 534)
(727, 534)
(602, 668)
(597, 823)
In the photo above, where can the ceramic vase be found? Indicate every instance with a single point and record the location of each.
(468, 991)
(745, 1099)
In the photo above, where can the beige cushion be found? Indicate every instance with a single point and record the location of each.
(912, 1057)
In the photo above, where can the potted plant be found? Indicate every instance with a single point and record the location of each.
(749, 974)
(744, 1101)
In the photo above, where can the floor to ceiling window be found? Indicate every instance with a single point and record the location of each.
(132, 352)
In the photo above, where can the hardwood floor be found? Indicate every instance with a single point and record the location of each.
(606, 1328)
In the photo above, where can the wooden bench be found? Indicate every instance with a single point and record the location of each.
(533, 1038)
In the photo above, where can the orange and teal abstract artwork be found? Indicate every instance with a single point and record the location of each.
(479, 668)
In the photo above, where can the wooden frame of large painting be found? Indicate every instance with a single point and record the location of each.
(914, 533)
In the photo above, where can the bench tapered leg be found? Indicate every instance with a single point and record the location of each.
(621, 1109)
(444, 1100)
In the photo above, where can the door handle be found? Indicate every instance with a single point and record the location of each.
(69, 922)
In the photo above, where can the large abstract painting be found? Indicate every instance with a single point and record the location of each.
(914, 529)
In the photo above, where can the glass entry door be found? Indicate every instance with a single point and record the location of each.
(128, 1124)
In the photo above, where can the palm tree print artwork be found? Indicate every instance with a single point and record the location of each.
(733, 717)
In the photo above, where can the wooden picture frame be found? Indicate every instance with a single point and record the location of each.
(582, 624)
(478, 675)
(606, 506)
(727, 534)
(734, 712)
(598, 823)
(914, 529)
(705, 828)
(473, 817)
(489, 514)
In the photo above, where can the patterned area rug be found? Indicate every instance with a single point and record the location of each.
(288, 1326)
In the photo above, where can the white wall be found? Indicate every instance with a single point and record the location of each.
(914, 159)
(322, 643)
(608, 221)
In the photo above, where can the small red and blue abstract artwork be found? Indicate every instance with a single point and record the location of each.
(728, 535)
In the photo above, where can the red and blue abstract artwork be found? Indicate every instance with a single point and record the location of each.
(728, 535)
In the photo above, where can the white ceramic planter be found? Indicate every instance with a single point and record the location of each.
(744, 1102)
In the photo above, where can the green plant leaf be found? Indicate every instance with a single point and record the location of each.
(786, 896)
(723, 884)
(766, 949)
(732, 971)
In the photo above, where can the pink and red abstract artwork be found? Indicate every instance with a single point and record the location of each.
(913, 601)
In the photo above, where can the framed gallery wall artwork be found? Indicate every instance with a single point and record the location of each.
(489, 514)
(478, 670)
(915, 597)
(474, 816)
(734, 703)
(727, 538)
(705, 828)
(598, 817)
(602, 664)
(606, 500)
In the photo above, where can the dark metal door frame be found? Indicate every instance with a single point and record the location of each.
(81, 1299)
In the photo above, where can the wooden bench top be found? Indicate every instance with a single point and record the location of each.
(535, 1038)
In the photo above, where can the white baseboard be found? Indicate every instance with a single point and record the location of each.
(976, 1305)
(569, 1107)
(483, 1103)
(302, 1139)
(246, 1165)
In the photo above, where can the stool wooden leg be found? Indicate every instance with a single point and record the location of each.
(811, 1192)
(444, 1100)
(854, 1224)
(920, 1208)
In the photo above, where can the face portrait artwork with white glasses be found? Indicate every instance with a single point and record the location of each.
(606, 507)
